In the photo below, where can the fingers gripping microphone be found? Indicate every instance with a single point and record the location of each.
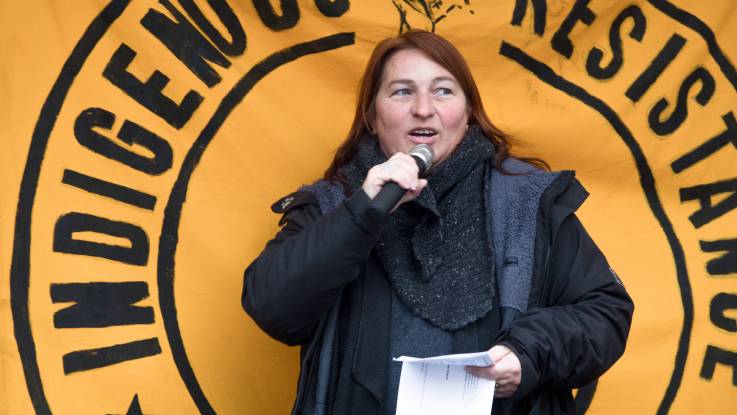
(391, 192)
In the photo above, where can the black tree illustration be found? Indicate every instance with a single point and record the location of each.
(432, 10)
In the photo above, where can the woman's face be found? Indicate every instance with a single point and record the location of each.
(419, 101)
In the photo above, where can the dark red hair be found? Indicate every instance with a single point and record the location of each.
(446, 55)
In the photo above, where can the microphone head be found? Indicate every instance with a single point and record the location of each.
(424, 153)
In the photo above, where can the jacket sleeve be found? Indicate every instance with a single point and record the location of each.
(584, 327)
(291, 285)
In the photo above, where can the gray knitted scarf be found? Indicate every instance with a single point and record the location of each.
(437, 249)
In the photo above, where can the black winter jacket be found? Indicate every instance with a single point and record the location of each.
(575, 328)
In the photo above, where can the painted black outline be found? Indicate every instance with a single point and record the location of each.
(172, 214)
(697, 25)
(20, 263)
(585, 396)
(647, 181)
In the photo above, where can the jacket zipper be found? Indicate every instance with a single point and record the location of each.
(548, 253)
(544, 284)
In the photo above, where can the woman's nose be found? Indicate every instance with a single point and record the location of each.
(422, 106)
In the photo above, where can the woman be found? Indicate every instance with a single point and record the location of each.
(483, 254)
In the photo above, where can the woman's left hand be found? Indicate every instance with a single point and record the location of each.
(507, 371)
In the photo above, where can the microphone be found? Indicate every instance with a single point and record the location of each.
(391, 192)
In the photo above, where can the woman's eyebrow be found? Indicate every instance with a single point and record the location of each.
(401, 81)
(412, 82)
(444, 78)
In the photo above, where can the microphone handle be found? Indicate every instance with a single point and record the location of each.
(391, 193)
(388, 197)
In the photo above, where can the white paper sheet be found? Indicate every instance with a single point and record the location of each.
(461, 359)
(439, 385)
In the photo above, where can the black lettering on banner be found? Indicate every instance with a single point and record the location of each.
(288, 18)
(727, 263)
(105, 356)
(639, 24)
(101, 304)
(703, 151)
(149, 93)
(67, 225)
(19, 278)
(237, 45)
(186, 43)
(719, 304)
(539, 11)
(105, 188)
(130, 133)
(679, 114)
(332, 8)
(579, 13)
(716, 355)
(135, 407)
(651, 74)
(703, 193)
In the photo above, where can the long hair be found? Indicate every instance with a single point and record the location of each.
(446, 55)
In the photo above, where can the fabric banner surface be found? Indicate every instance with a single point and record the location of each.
(146, 140)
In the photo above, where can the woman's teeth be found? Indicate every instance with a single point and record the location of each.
(423, 133)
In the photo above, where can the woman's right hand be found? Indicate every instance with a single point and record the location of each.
(400, 169)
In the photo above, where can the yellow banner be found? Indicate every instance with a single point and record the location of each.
(145, 141)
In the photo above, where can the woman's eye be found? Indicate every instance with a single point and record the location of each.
(444, 91)
(402, 92)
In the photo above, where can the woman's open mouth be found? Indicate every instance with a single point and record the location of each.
(423, 135)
